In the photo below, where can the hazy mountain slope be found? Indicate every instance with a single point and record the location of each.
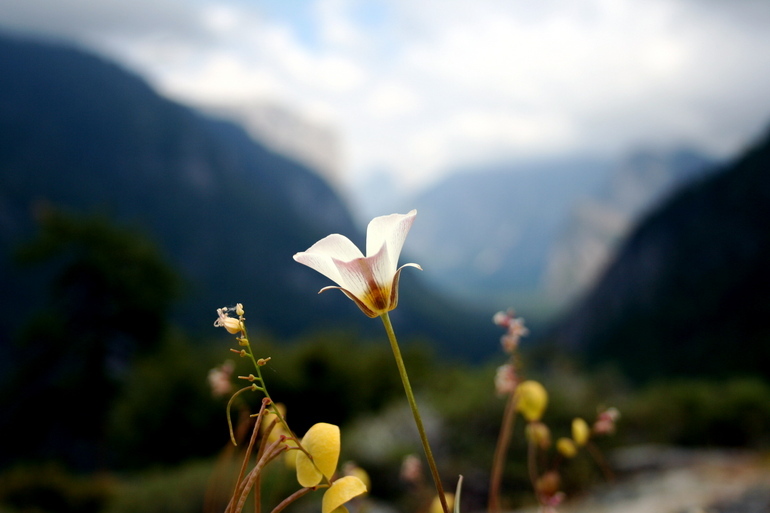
(82, 133)
(597, 225)
(539, 232)
(689, 292)
(492, 228)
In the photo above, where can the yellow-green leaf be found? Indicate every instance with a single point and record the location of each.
(340, 492)
(322, 441)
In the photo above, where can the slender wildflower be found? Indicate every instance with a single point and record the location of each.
(317, 452)
(371, 282)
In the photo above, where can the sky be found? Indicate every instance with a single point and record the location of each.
(417, 88)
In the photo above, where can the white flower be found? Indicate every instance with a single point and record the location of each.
(371, 281)
(231, 324)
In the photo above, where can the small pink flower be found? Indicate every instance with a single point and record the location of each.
(411, 469)
(503, 319)
(220, 379)
(509, 343)
(505, 379)
(605, 422)
(515, 330)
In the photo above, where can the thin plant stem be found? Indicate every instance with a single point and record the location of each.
(532, 465)
(260, 452)
(597, 455)
(498, 461)
(227, 411)
(250, 447)
(272, 452)
(291, 498)
(244, 340)
(415, 411)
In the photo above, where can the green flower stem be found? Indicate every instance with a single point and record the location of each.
(244, 340)
(415, 412)
(263, 388)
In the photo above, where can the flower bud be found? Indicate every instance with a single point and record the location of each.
(548, 484)
(232, 325)
(539, 434)
(566, 447)
(580, 431)
(532, 399)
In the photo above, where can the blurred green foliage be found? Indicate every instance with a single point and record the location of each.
(109, 408)
(109, 297)
(166, 416)
(696, 413)
(50, 488)
(165, 413)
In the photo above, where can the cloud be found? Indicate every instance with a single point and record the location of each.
(422, 87)
(82, 19)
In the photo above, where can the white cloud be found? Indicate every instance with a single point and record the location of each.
(435, 84)
(390, 100)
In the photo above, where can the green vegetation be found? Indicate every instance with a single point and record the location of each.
(166, 415)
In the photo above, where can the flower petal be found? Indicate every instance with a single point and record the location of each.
(320, 256)
(368, 280)
(340, 492)
(390, 230)
(364, 307)
(394, 285)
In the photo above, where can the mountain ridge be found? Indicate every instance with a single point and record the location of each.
(82, 133)
(689, 291)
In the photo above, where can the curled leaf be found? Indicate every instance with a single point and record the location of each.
(322, 441)
(340, 492)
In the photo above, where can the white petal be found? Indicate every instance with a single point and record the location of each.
(320, 256)
(356, 277)
(390, 230)
(380, 266)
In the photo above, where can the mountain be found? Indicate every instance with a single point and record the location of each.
(689, 291)
(597, 225)
(289, 133)
(493, 227)
(82, 134)
(537, 233)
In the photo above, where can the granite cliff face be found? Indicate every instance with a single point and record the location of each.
(597, 225)
(689, 291)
